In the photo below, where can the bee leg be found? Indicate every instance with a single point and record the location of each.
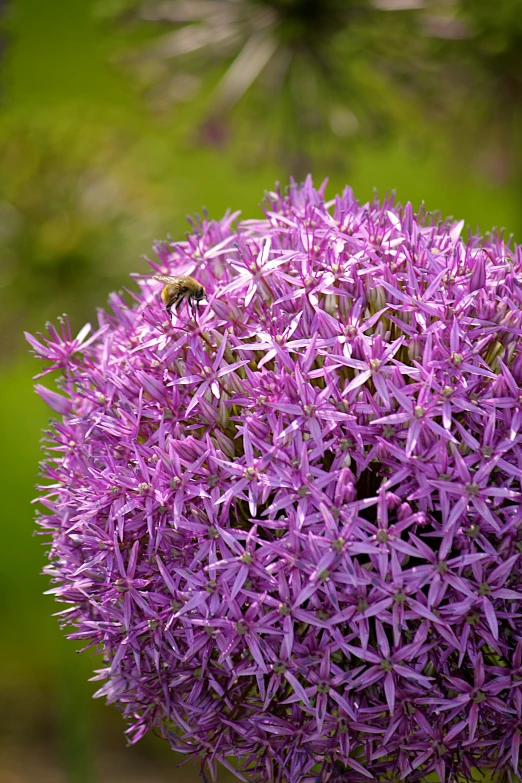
(174, 302)
(170, 305)
(179, 301)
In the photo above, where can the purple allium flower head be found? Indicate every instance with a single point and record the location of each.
(292, 524)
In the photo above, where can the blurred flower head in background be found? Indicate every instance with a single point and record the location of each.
(293, 525)
(302, 70)
(303, 77)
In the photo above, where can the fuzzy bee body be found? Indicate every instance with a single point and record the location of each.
(179, 289)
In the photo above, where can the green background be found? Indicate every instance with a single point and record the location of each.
(68, 119)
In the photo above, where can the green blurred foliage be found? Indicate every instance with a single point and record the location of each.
(476, 45)
(90, 176)
(61, 218)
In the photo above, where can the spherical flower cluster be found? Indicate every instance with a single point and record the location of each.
(291, 521)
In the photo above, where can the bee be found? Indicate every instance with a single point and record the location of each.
(178, 289)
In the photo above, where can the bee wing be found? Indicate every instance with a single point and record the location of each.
(165, 278)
